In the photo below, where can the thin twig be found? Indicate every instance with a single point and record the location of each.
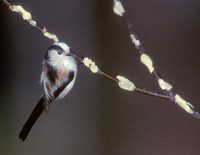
(109, 77)
(147, 61)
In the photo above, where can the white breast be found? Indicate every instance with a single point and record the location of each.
(67, 63)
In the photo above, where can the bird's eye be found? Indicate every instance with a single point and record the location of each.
(59, 52)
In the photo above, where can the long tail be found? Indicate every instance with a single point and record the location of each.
(32, 119)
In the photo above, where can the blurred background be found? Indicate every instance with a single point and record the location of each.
(97, 117)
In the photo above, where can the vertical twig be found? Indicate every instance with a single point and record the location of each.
(147, 61)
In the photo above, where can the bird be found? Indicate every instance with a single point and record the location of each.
(59, 71)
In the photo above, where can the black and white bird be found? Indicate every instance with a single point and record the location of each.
(57, 79)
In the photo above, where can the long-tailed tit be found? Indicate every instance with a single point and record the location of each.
(57, 79)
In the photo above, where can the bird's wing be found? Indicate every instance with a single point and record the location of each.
(64, 84)
(48, 81)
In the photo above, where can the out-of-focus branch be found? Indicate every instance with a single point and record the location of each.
(147, 61)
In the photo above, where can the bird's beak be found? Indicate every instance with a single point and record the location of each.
(68, 54)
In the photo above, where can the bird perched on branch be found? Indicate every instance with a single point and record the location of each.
(57, 79)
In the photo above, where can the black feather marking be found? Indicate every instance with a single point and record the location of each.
(64, 84)
(53, 47)
(71, 76)
(51, 73)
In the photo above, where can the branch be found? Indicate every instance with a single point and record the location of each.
(122, 82)
(147, 61)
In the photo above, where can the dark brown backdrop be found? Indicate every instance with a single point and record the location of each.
(98, 118)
